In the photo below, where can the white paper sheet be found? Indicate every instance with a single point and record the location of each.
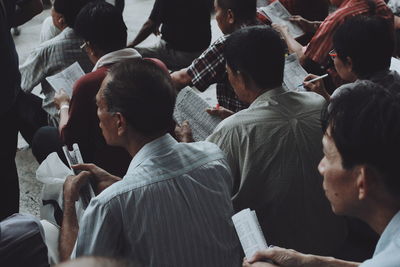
(278, 14)
(249, 232)
(191, 107)
(294, 73)
(66, 78)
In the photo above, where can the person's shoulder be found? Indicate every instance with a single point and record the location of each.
(91, 79)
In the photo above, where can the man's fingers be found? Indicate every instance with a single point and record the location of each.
(82, 178)
(86, 167)
(309, 77)
(212, 111)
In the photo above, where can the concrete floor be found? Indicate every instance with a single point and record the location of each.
(135, 14)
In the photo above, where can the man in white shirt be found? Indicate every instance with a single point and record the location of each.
(173, 206)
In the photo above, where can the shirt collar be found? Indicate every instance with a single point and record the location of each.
(267, 95)
(156, 147)
(116, 56)
(391, 232)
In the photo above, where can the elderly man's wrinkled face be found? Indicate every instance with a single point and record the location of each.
(340, 185)
(108, 121)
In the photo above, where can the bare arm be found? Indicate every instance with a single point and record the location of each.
(61, 100)
(293, 45)
(70, 227)
(27, 11)
(180, 79)
(72, 186)
(291, 258)
(148, 28)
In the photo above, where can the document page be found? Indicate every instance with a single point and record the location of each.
(294, 73)
(191, 107)
(249, 232)
(395, 64)
(66, 78)
(74, 157)
(278, 14)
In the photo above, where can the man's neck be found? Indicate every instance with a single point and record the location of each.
(380, 218)
(134, 143)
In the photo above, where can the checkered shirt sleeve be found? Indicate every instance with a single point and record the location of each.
(209, 67)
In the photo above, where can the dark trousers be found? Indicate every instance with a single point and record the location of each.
(27, 116)
(9, 189)
(46, 141)
(31, 115)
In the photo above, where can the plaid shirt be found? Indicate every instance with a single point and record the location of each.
(320, 45)
(209, 68)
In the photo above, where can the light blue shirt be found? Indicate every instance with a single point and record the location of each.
(387, 251)
(172, 208)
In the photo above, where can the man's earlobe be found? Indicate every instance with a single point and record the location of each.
(121, 124)
(361, 182)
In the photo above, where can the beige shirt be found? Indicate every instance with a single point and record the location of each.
(274, 148)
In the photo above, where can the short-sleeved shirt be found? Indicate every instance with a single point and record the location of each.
(209, 68)
(322, 42)
(172, 208)
(273, 148)
(185, 23)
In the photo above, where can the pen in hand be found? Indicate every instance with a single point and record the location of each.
(315, 79)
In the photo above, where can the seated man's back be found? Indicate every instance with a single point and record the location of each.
(171, 208)
(273, 148)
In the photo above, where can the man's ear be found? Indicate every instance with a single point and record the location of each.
(349, 64)
(61, 21)
(230, 17)
(121, 124)
(366, 181)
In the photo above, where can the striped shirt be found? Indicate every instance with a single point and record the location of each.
(172, 208)
(50, 58)
(320, 45)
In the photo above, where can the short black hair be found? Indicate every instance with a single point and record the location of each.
(368, 41)
(143, 93)
(102, 24)
(69, 9)
(243, 10)
(365, 125)
(258, 52)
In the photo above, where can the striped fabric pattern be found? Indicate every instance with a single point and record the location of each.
(320, 45)
(172, 208)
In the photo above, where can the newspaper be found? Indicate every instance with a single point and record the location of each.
(294, 74)
(191, 107)
(278, 14)
(66, 78)
(395, 64)
(249, 232)
(74, 157)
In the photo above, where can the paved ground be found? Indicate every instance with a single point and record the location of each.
(135, 14)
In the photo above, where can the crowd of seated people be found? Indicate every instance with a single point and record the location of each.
(317, 166)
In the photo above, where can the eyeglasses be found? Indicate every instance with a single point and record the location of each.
(333, 54)
(84, 45)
